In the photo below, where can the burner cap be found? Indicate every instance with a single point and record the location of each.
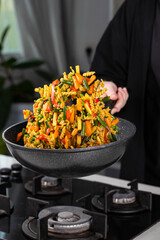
(67, 219)
(124, 197)
(49, 182)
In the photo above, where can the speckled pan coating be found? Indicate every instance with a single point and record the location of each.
(69, 163)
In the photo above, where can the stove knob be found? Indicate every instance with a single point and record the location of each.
(5, 174)
(16, 170)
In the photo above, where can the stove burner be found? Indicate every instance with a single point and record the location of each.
(45, 186)
(67, 219)
(124, 196)
(49, 182)
(64, 222)
(123, 201)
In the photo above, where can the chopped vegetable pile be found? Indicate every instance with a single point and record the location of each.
(70, 113)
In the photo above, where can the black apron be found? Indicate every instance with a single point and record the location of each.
(152, 108)
(123, 56)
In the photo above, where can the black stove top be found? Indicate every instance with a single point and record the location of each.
(78, 193)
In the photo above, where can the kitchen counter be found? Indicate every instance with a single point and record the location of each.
(150, 230)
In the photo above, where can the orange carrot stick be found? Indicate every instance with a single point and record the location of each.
(56, 133)
(68, 114)
(79, 104)
(79, 78)
(90, 91)
(74, 132)
(72, 117)
(108, 122)
(75, 82)
(114, 122)
(19, 135)
(88, 128)
(92, 78)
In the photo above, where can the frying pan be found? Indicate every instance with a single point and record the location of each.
(69, 163)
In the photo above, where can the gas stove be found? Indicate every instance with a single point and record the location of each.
(90, 208)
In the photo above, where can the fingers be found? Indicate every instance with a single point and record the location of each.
(119, 94)
(111, 90)
(122, 100)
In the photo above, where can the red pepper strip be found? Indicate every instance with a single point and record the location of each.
(48, 131)
(86, 101)
(53, 90)
(29, 119)
(94, 114)
(36, 105)
(41, 137)
(96, 100)
(88, 79)
(63, 141)
(48, 108)
(73, 89)
(57, 105)
(105, 138)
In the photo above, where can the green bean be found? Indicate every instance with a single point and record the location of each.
(47, 124)
(102, 122)
(86, 84)
(64, 113)
(83, 129)
(50, 103)
(67, 82)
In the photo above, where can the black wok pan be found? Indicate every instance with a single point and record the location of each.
(69, 163)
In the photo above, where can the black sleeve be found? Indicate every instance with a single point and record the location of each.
(111, 57)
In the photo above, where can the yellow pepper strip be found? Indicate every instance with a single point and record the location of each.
(74, 132)
(87, 108)
(55, 119)
(79, 123)
(62, 104)
(94, 129)
(99, 140)
(66, 142)
(92, 78)
(78, 139)
(77, 69)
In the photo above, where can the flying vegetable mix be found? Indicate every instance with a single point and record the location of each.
(70, 113)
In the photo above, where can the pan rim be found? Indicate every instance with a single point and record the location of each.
(99, 147)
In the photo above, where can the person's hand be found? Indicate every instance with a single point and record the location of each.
(119, 94)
